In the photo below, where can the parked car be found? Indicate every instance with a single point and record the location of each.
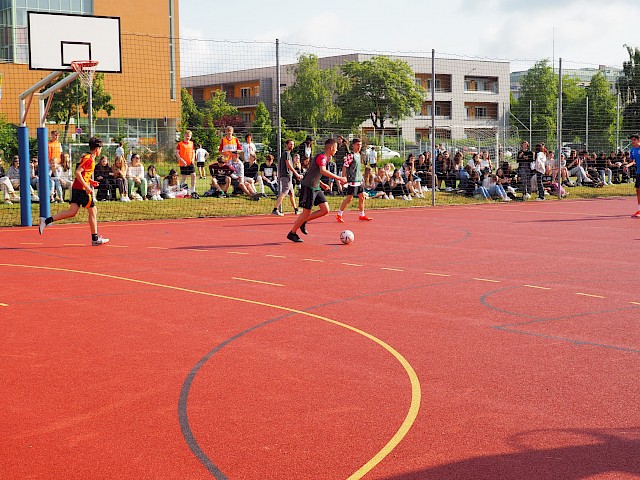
(385, 153)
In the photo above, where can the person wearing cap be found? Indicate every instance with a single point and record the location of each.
(634, 157)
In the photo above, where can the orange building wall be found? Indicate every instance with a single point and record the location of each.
(142, 90)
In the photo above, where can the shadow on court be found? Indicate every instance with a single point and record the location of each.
(602, 452)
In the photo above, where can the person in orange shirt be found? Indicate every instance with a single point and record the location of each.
(82, 194)
(186, 154)
(55, 150)
(229, 144)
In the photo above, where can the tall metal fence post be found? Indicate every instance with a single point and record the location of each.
(586, 127)
(433, 128)
(279, 105)
(559, 126)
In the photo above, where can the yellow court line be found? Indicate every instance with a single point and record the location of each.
(73, 244)
(312, 260)
(486, 280)
(238, 253)
(391, 269)
(257, 281)
(437, 274)
(416, 391)
(589, 295)
(117, 246)
(634, 303)
(197, 250)
(159, 248)
(536, 286)
(352, 264)
(3, 305)
(275, 256)
(30, 243)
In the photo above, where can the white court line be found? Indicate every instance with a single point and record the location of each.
(312, 260)
(589, 295)
(275, 256)
(238, 253)
(159, 248)
(536, 286)
(486, 280)
(392, 269)
(437, 274)
(257, 281)
(352, 264)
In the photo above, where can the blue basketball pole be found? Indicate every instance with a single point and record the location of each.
(25, 177)
(44, 172)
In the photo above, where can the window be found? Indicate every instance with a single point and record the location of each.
(246, 117)
(245, 92)
(481, 112)
(418, 81)
(438, 110)
(438, 86)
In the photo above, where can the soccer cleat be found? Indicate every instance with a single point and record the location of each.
(636, 215)
(303, 228)
(277, 212)
(296, 211)
(42, 225)
(339, 219)
(364, 218)
(99, 241)
(294, 237)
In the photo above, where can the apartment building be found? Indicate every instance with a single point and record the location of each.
(471, 96)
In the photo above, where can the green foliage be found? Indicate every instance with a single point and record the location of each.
(262, 128)
(628, 87)
(380, 89)
(8, 139)
(309, 102)
(66, 101)
(540, 86)
(191, 117)
(602, 113)
(574, 110)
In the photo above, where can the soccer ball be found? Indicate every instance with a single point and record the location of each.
(346, 237)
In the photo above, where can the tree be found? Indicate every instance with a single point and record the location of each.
(539, 85)
(262, 127)
(380, 89)
(64, 104)
(602, 113)
(574, 110)
(309, 102)
(191, 117)
(628, 86)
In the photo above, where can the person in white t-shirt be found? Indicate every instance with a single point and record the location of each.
(120, 150)
(248, 147)
(201, 158)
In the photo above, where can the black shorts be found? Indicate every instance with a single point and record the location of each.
(235, 182)
(354, 190)
(638, 180)
(188, 170)
(310, 197)
(82, 198)
(200, 164)
(222, 180)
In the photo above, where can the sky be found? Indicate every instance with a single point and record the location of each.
(584, 33)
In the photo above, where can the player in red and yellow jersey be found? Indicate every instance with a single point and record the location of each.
(82, 194)
(186, 154)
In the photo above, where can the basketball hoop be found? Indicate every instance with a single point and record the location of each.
(86, 69)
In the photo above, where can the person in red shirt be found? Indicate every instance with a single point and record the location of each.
(186, 154)
(82, 194)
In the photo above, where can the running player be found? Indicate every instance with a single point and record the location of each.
(82, 194)
(310, 190)
(351, 170)
(634, 155)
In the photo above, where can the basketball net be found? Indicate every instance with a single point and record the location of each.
(86, 70)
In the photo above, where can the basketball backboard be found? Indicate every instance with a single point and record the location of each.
(57, 39)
